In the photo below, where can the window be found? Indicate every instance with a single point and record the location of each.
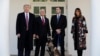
(37, 9)
(58, 0)
(54, 10)
(39, 0)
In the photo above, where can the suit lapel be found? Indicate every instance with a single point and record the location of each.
(56, 19)
(24, 19)
(40, 20)
(45, 21)
(29, 19)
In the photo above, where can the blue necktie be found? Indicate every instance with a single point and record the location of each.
(58, 17)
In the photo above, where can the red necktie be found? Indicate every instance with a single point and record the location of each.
(43, 20)
(27, 21)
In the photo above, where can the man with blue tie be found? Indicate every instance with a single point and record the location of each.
(58, 25)
(25, 31)
(43, 30)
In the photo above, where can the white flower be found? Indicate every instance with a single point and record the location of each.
(72, 24)
(84, 22)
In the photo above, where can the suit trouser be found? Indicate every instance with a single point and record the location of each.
(27, 52)
(79, 52)
(26, 48)
(61, 43)
(40, 43)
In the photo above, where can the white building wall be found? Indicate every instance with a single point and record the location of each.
(4, 28)
(95, 28)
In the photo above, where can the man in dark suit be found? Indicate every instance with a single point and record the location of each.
(58, 25)
(25, 30)
(43, 30)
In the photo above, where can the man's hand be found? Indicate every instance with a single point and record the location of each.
(58, 31)
(34, 35)
(18, 35)
(85, 35)
(37, 37)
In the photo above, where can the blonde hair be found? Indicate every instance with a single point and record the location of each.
(27, 5)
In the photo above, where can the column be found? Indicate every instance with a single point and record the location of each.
(4, 28)
(95, 43)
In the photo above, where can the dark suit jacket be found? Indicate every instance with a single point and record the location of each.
(21, 28)
(60, 25)
(42, 30)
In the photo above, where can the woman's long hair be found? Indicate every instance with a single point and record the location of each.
(77, 9)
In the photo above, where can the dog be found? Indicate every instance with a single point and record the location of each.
(53, 51)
